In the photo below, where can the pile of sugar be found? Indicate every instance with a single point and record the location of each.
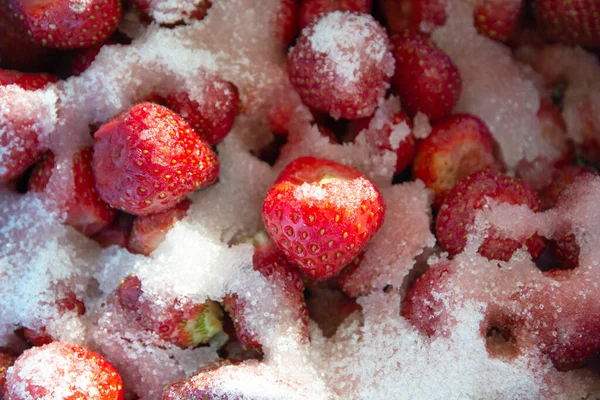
(375, 354)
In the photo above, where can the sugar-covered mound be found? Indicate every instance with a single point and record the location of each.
(375, 354)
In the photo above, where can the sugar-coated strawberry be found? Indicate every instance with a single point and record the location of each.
(62, 371)
(65, 25)
(148, 159)
(572, 22)
(496, 19)
(183, 322)
(32, 81)
(321, 214)
(457, 214)
(85, 57)
(456, 147)
(405, 153)
(286, 22)
(311, 10)
(117, 233)
(214, 117)
(84, 209)
(341, 64)
(6, 361)
(149, 231)
(277, 269)
(425, 77)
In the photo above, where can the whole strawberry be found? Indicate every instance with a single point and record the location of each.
(341, 64)
(65, 24)
(62, 371)
(425, 77)
(148, 159)
(321, 214)
(572, 22)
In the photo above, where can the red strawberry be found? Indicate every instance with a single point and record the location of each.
(341, 65)
(425, 77)
(456, 147)
(62, 371)
(183, 322)
(273, 265)
(117, 233)
(496, 19)
(321, 214)
(457, 214)
(572, 22)
(148, 159)
(67, 25)
(311, 10)
(214, 117)
(149, 231)
(26, 81)
(83, 207)
(17, 50)
(85, 57)
(405, 152)
(6, 361)
(286, 22)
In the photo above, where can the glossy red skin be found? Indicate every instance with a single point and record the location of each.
(55, 24)
(212, 119)
(320, 239)
(311, 10)
(149, 231)
(457, 214)
(456, 147)
(574, 22)
(425, 77)
(108, 383)
(273, 265)
(146, 174)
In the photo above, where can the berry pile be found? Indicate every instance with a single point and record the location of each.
(319, 199)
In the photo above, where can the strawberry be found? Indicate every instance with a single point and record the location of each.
(149, 231)
(214, 117)
(85, 57)
(182, 322)
(277, 269)
(65, 25)
(117, 233)
(573, 22)
(321, 214)
(311, 10)
(457, 214)
(456, 147)
(6, 361)
(497, 19)
(26, 81)
(84, 209)
(62, 371)
(405, 152)
(148, 159)
(341, 65)
(425, 77)
(286, 22)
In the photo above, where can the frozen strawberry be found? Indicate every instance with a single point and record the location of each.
(117, 233)
(150, 230)
(85, 57)
(341, 65)
(64, 25)
(84, 209)
(62, 371)
(456, 147)
(214, 117)
(321, 214)
(183, 322)
(277, 269)
(457, 214)
(6, 361)
(405, 153)
(26, 81)
(148, 159)
(497, 19)
(311, 10)
(425, 77)
(286, 21)
(572, 22)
